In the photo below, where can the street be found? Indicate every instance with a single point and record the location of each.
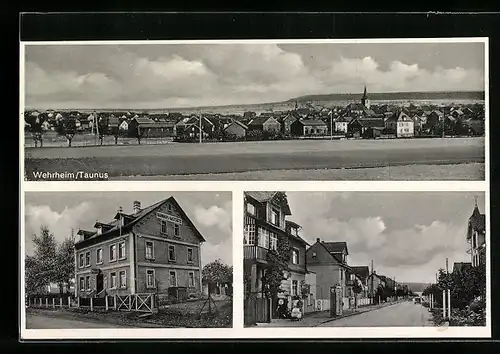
(40, 321)
(398, 315)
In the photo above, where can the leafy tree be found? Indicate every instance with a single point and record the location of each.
(41, 268)
(275, 274)
(33, 282)
(217, 272)
(69, 129)
(36, 129)
(65, 263)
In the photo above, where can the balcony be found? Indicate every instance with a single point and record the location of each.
(255, 253)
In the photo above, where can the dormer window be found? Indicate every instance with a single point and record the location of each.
(275, 216)
(99, 230)
(250, 209)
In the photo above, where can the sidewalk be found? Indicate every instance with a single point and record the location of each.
(315, 319)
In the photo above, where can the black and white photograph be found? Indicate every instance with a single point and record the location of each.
(104, 260)
(291, 110)
(365, 259)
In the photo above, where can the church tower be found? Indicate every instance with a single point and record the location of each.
(364, 100)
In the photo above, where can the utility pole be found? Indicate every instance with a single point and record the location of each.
(331, 124)
(442, 136)
(371, 288)
(446, 265)
(200, 130)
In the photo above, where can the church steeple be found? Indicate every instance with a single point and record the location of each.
(364, 98)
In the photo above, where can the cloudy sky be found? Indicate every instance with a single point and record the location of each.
(149, 76)
(210, 211)
(407, 235)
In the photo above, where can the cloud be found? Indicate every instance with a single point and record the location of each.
(59, 223)
(165, 76)
(214, 216)
(222, 251)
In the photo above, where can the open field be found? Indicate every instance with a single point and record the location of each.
(219, 158)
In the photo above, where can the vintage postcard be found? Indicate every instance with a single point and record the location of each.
(255, 110)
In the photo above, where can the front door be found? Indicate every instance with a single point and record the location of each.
(99, 282)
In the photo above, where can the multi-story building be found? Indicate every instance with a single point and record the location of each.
(264, 227)
(156, 249)
(329, 261)
(476, 237)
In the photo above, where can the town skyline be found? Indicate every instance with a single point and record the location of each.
(201, 75)
(374, 223)
(211, 212)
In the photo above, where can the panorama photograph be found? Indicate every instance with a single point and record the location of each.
(265, 110)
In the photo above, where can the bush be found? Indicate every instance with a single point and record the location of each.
(467, 317)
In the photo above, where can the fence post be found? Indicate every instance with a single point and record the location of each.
(444, 304)
(46, 302)
(114, 302)
(91, 304)
(136, 301)
(130, 302)
(449, 304)
(40, 302)
(60, 302)
(78, 302)
(69, 301)
(106, 301)
(152, 302)
(53, 302)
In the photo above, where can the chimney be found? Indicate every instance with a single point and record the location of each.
(137, 206)
(318, 240)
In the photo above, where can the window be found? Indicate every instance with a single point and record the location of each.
(82, 283)
(150, 254)
(123, 279)
(263, 238)
(177, 230)
(112, 253)
(99, 256)
(250, 209)
(171, 253)
(190, 255)
(163, 226)
(112, 277)
(274, 241)
(150, 278)
(275, 217)
(173, 278)
(341, 274)
(295, 287)
(295, 256)
(87, 259)
(169, 207)
(191, 279)
(87, 282)
(99, 230)
(314, 255)
(81, 261)
(249, 235)
(121, 250)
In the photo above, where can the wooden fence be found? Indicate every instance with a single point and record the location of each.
(257, 310)
(134, 302)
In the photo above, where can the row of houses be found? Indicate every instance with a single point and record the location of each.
(313, 270)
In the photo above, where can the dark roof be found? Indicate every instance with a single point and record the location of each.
(142, 120)
(361, 271)
(339, 261)
(238, 123)
(114, 228)
(477, 220)
(314, 122)
(260, 120)
(264, 197)
(335, 247)
(370, 122)
(157, 125)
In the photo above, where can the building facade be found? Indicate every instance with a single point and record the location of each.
(156, 249)
(264, 228)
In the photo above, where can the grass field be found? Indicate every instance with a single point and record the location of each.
(244, 157)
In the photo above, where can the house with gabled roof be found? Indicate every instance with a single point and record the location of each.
(236, 128)
(305, 127)
(329, 261)
(264, 124)
(365, 127)
(155, 249)
(265, 228)
(400, 124)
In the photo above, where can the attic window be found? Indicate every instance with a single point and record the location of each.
(250, 209)
(99, 230)
(314, 255)
(169, 207)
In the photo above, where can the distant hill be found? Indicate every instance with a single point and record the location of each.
(417, 287)
(388, 96)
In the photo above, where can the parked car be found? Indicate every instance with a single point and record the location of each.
(417, 300)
